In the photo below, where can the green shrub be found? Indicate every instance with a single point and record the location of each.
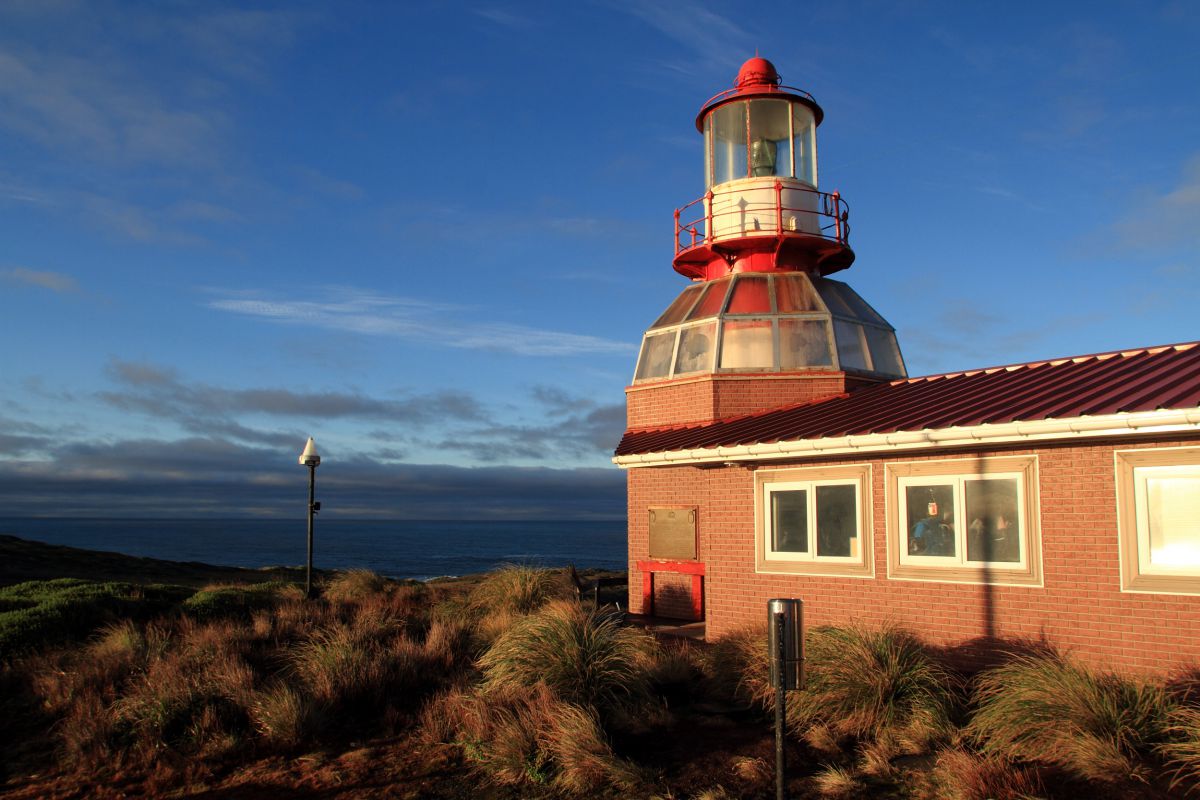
(1047, 709)
(42, 613)
(584, 656)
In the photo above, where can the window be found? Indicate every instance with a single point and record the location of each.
(970, 520)
(814, 521)
(1158, 518)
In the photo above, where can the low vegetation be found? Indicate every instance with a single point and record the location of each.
(509, 686)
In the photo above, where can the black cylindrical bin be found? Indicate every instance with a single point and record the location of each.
(793, 641)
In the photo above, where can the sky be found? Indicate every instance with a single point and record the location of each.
(431, 237)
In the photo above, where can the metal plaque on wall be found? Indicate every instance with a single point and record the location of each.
(673, 532)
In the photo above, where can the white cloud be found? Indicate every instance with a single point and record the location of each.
(54, 281)
(373, 314)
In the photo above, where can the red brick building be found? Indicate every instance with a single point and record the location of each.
(776, 448)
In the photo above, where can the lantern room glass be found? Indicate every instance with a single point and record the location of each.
(759, 138)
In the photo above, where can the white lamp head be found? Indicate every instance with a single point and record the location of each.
(310, 458)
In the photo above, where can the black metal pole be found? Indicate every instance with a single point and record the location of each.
(312, 490)
(780, 656)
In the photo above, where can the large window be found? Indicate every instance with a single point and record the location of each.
(1158, 516)
(972, 520)
(814, 521)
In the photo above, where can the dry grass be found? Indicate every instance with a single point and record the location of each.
(585, 657)
(355, 584)
(1047, 709)
(517, 589)
(838, 782)
(962, 775)
(1182, 750)
(738, 666)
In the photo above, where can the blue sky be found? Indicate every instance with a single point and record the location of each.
(432, 237)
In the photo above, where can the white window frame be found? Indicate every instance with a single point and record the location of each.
(810, 487)
(958, 482)
(770, 481)
(957, 471)
(1133, 467)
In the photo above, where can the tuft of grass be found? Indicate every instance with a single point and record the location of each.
(835, 781)
(574, 743)
(1182, 750)
(738, 665)
(873, 685)
(516, 589)
(1048, 709)
(355, 584)
(286, 717)
(241, 602)
(962, 775)
(585, 657)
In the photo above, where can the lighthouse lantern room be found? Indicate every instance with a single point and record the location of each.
(758, 246)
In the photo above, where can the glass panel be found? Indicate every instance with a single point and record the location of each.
(885, 354)
(1173, 521)
(805, 143)
(858, 307)
(789, 522)
(851, 345)
(931, 520)
(804, 343)
(794, 294)
(837, 521)
(696, 346)
(749, 296)
(714, 298)
(727, 143)
(747, 344)
(770, 138)
(834, 300)
(994, 531)
(657, 349)
(677, 309)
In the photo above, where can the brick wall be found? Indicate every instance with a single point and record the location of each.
(1080, 608)
(710, 397)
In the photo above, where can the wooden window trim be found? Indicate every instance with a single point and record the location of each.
(861, 567)
(1125, 463)
(897, 529)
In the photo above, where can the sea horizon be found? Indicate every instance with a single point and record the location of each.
(396, 548)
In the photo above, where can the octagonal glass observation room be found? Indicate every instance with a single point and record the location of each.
(776, 322)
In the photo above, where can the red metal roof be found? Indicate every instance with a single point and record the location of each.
(1146, 379)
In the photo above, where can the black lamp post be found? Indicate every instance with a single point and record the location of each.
(309, 458)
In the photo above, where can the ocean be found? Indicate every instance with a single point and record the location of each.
(395, 548)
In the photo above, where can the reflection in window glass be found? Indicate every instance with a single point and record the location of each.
(657, 349)
(696, 345)
(750, 296)
(714, 298)
(1173, 521)
(794, 294)
(804, 343)
(930, 523)
(789, 522)
(837, 521)
(993, 527)
(677, 309)
(728, 143)
(851, 345)
(885, 353)
(805, 143)
(770, 138)
(747, 344)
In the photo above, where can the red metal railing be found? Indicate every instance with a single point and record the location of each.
(694, 222)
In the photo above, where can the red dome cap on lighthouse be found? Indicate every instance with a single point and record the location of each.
(757, 72)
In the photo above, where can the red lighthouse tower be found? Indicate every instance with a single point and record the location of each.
(761, 326)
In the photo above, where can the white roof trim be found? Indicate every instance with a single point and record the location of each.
(1140, 423)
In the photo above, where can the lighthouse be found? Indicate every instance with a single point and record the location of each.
(761, 325)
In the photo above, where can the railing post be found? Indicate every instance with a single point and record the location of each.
(677, 229)
(778, 208)
(837, 215)
(708, 215)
